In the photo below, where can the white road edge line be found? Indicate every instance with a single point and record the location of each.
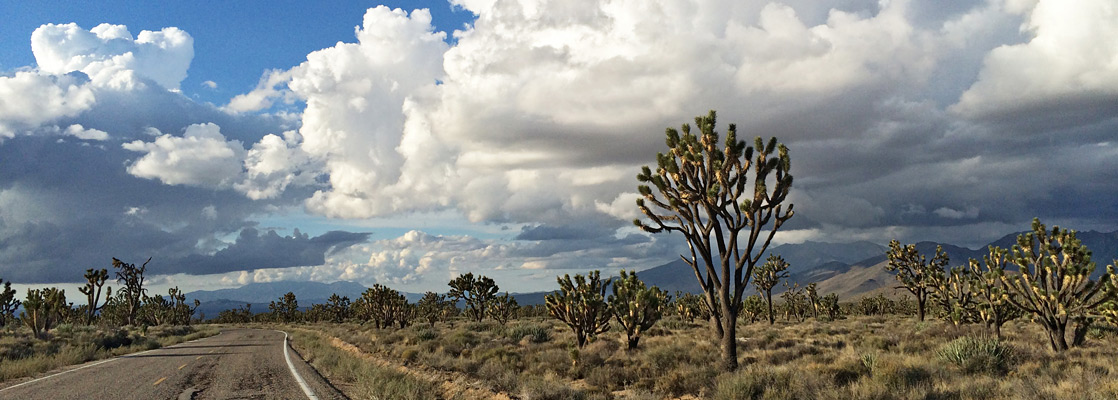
(99, 363)
(302, 384)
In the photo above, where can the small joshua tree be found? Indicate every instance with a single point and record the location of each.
(992, 305)
(915, 273)
(503, 308)
(1053, 282)
(753, 307)
(286, 309)
(636, 307)
(767, 277)
(581, 304)
(795, 302)
(8, 304)
(814, 300)
(133, 292)
(478, 293)
(952, 291)
(337, 308)
(95, 280)
(830, 306)
(689, 306)
(433, 307)
(43, 309)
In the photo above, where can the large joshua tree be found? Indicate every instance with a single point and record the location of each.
(703, 192)
(1053, 282)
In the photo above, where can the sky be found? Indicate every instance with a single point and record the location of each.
(405, 143)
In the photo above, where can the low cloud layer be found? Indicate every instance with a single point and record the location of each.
(917, 120)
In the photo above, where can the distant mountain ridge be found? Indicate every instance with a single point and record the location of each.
(850, 270)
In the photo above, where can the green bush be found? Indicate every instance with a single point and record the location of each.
(978, 354)
(535, 333)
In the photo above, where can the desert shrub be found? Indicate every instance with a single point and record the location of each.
(978, 354)
(425, 334)
(551, 360)
(459, 341)
(758, 382)
(534, 332)
(498, 374)
(897, 375)
(595, 354)
(687, 379)
(610, 377)
(541, 389)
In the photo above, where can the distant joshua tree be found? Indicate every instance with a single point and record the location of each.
(581, 304)
(915, 272)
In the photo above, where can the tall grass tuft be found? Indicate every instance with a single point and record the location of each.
(978, 354)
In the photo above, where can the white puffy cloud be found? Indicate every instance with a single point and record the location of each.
(80, 132)
(110, 56)
(274, 163)
(29, 99)
(201, 157)
(1068, 63)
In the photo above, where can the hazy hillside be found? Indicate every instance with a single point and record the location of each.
(836, 268)
(850, 270)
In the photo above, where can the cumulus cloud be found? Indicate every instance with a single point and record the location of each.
(80, 132)
(111, 56)
(201, 157)
(1067, 64)
(29, 99)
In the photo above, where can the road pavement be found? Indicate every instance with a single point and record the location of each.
(235, 364)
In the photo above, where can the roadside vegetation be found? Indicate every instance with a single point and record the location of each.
(43, 331)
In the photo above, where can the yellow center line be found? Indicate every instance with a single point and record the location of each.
(182, 366)
(159, 381)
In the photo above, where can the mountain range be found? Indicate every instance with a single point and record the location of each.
(850, 270)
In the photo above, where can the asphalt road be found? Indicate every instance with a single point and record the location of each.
(236, 364)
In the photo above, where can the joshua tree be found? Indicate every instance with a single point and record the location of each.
(752, 307)
(433, 307)
(337, 308)
(636, 306)
(180, 312)
(991, 298)
(381, 304)
(795, 302)
(503, 308)
(43, 309)
(814, 300)
(92, 291)
(689, 306)
(286, 309)
(830, 306)
(1054, 283)
(478, 293)
(702, 192)
(767, 277)
(915, 272)
(133, 291)
(581, 304)
(953, 293)
(8, 304)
